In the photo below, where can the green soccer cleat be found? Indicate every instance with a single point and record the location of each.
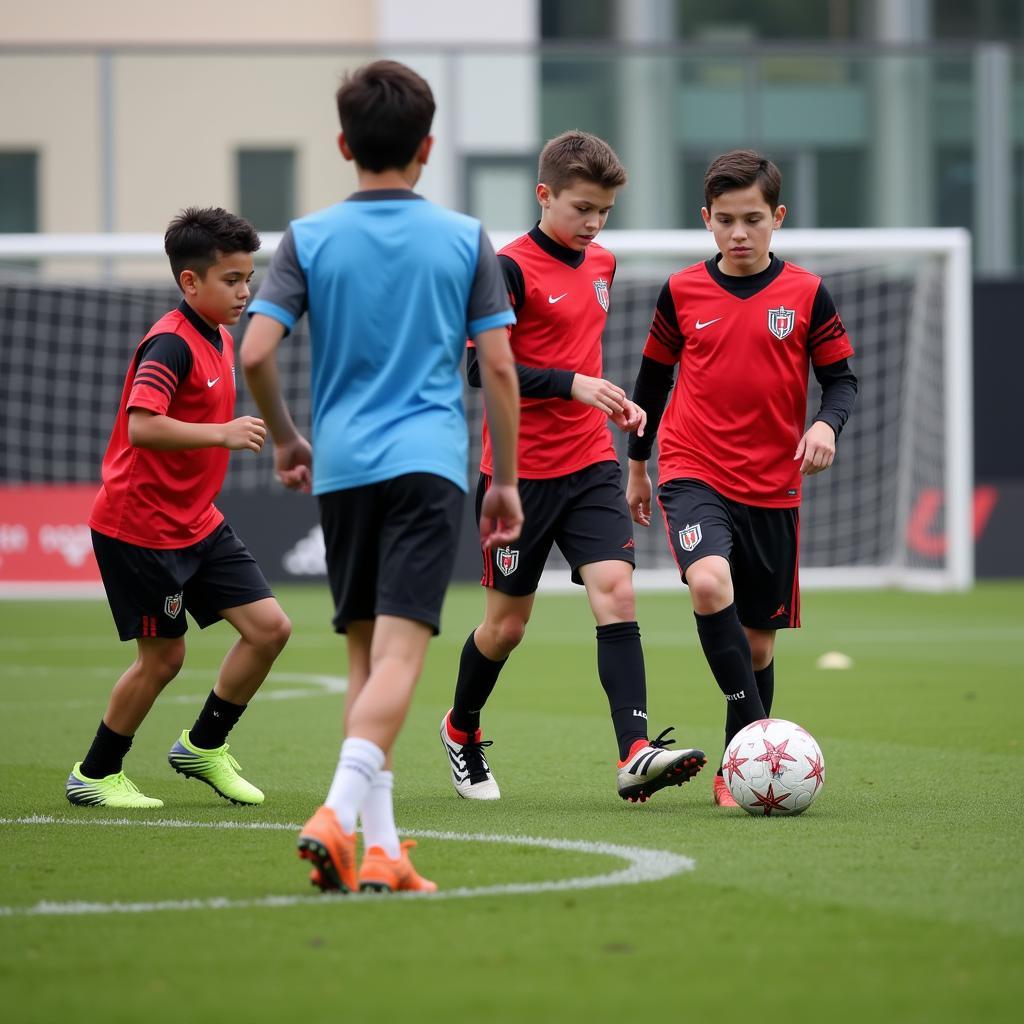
(217, 768)
(110, 791)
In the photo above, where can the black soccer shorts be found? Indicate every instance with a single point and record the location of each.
(584, 513)
(760, 544)
(150, 589)
(391, 547)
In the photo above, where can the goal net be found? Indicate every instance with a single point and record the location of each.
(894, 510)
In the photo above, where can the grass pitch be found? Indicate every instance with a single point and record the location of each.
(897, 897)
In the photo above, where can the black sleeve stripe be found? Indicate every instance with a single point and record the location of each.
(143, 380)
(159, 369)
(513, 281)
(828, 332)
(823, 311)
(664, 334)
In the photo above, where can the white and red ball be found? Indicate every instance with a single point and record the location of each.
(774, 767)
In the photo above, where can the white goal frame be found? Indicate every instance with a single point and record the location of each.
(951, 245)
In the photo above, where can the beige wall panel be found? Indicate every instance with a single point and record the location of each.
(56, 114)
(181, 119)
(108, 22)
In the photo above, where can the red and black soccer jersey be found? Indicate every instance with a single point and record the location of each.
(744, 345)
(561, 299)
(164, 499)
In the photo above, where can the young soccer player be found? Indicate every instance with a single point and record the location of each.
(560, 281)
(742, 327)
(393, 286)
(162, 546)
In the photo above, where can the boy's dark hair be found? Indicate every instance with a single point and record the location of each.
(385, 110)
(740, 169)
(576, 154)
(197, 238)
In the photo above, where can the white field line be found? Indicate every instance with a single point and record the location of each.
(642, 865)
(323, 685)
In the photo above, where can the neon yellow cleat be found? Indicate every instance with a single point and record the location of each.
(110, 791)
(217, 768)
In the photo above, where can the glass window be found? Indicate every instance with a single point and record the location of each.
(19, 191)
(1002, 20)
(771, 19)
(500, 192)
(266, 187)
(576, 19)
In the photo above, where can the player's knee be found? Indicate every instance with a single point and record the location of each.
(707, 589)
(508, 633)
(273, 634)
(762, 650)
(620, 600)
(164, 663)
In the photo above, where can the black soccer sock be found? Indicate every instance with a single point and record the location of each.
(478, 676)
(620, 664)
(728, 654)
(766, 686)
(215, 721)
(107, 753)
(765, 679)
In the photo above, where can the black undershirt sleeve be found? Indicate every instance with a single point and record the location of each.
(838, 393)
(653, 383)
(534, 381)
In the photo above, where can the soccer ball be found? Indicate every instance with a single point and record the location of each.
(774, 767)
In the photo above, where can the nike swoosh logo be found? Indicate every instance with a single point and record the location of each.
(210, 383)
(707, 323)
(552, 299)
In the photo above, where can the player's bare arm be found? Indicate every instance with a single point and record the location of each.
(601, 394)
(501, 515)
(147, 429)
(293, 456)
(817, 448)
(639, 492)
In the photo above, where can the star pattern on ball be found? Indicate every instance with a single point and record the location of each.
(734, 764)
(766, 722)
(769, 801)
(775, 755)
(817, 771)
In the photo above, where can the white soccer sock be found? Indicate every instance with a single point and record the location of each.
(378, 815)
(358, 764)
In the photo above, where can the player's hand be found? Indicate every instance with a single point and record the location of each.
(817, 448)
(638, 493)
(601, 394)
(246, 432)
(632, 418)
(293, 463)
(501, 516)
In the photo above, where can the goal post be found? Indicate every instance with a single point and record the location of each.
(894, 510)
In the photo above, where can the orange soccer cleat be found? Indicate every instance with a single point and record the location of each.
(722, 796)
(379, 873)
(332, 851)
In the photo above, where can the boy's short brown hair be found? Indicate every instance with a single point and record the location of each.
(577, 154)
(740, 169)
(385, 110)
(197, 238)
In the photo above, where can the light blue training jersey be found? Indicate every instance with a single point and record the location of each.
(393, 286)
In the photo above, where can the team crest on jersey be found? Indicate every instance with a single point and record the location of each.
(781, 321)
(172, 605)
(603, 296)
(690, 536)
(508, 560)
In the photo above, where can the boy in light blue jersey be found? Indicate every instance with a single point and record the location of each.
(392, 285)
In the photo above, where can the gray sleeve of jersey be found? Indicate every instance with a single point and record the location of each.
(488, 298)
(283, 293)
